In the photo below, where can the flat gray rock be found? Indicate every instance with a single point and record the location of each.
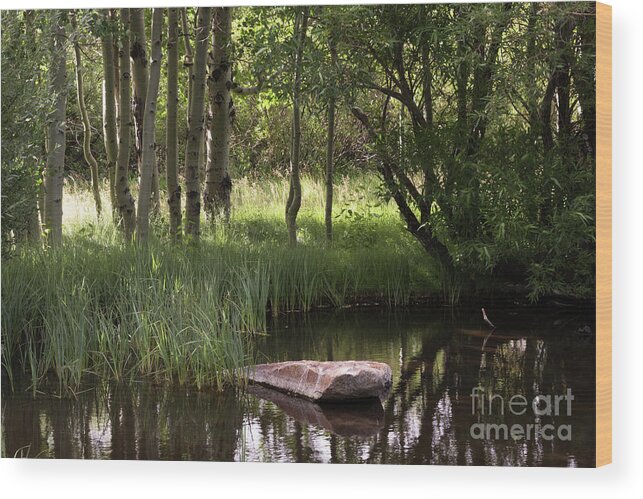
(331, 381)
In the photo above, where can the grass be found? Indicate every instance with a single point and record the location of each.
(187, 313)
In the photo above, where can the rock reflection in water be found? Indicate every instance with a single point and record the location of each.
(357, 419)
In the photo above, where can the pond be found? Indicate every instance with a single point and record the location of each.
(520, 395)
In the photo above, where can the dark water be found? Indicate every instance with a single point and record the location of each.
(438, 357)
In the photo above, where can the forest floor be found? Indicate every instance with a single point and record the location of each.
(370, 244)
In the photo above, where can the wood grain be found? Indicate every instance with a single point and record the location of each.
(603, 234)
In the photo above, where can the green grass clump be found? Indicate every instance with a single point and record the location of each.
(187, 312)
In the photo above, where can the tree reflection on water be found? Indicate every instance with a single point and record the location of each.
(436, 359)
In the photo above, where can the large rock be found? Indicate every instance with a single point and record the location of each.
(326, 381)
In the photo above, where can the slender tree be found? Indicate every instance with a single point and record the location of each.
(563, 36)
(583, 73)
(330, 139)
(41, 201)
(188, 62)
(110, 136)
(221, 85)
(34, 224)
(173, 187)
(196, 125)
(113, 18)
(126, 209)
(428, 163)
(218, 185)
(87, 129)
(138, 56)
(148, 161)
(294, 197)
(140, 80)
(54, 173)
(188, 59)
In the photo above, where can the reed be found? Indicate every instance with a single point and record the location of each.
(187, 313)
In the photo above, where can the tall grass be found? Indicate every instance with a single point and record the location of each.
(187, 313)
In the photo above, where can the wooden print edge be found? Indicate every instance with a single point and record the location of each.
(603, 234)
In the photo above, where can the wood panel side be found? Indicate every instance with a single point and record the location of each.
(603, 234)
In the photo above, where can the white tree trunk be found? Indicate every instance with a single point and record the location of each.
(218, 184)
(140, 80)
(173, 187)
(54, 174)
(124, 198)
(110, 135)
(294, 197)
(196, 126)
(330, 141)
(148, 161)
(87, 129)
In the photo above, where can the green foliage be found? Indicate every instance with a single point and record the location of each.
(24, 107)
(261, 140)
(507, 207)
(186, 313)
(475, 169)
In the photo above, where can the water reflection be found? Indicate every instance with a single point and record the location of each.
(357, 419)
(437, 360)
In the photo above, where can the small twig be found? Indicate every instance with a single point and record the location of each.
(486, 319)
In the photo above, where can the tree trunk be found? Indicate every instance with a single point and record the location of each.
(41, 189)
(124, 198)
(218, 185)
(173, 187)
(428, 183)
(34, 206)
(33, 230)
(113, 15)
(54, 175)
(140, 77)
(148, 161)
(545, 116)
(188, 60)
(563, 32)
(483, 76)
(87, 130)
(196, 126)
(292, 208)
(533, 110)
(109, 109)
(33, 226)
(583, 74)
(389, 171)
(330, 142)
(463, 71)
